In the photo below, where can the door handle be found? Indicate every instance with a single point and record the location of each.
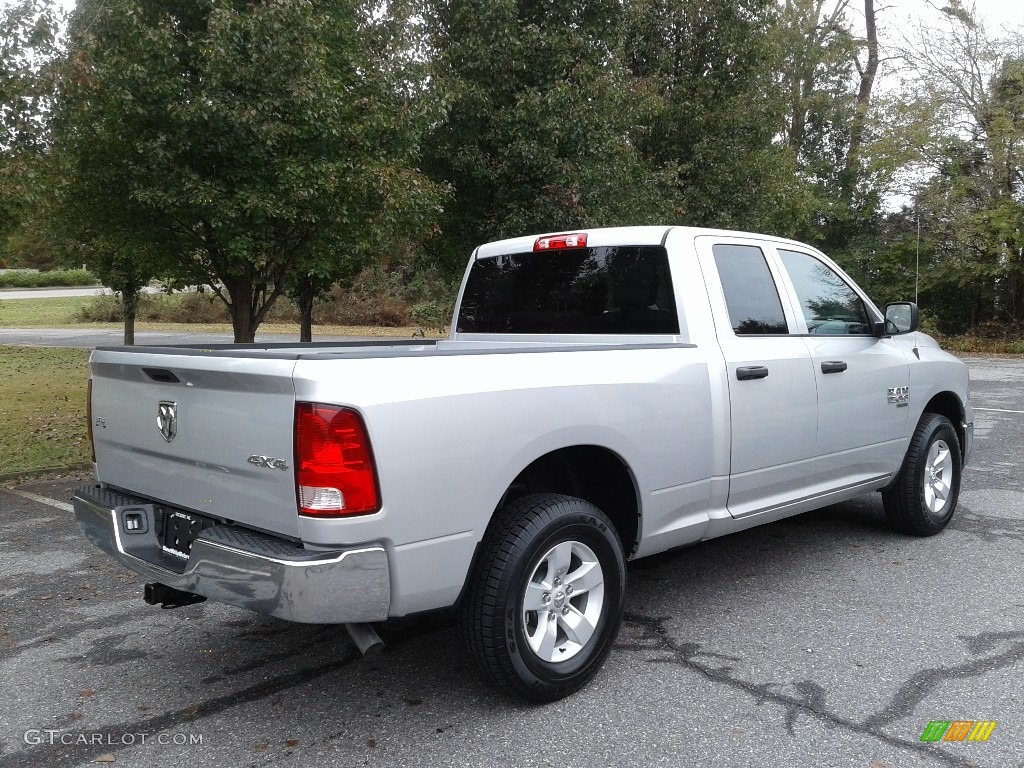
(751, 372)
(833, 366)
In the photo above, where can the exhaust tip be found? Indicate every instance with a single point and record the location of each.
(366, 638)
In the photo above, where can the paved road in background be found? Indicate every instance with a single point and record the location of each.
(823, 640)
(59, 293)
(50, 293)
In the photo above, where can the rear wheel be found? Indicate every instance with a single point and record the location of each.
(545, 601)
(922, 499)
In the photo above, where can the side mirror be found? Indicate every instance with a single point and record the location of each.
(900, 317)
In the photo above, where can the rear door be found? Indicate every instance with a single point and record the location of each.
(772, 392)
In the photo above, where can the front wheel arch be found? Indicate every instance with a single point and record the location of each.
(922, 498)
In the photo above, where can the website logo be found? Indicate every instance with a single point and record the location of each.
(958, 730)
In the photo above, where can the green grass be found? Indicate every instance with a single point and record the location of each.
(47, 313)
(42, 408)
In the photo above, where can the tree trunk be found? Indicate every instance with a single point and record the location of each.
(242, 321)
(306, 322)
(130, 307)
(305, 302)
(242, 325)
(860, 118)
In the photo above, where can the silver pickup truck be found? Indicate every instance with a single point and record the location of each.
(603, 395)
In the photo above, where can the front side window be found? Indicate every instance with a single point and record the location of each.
(829, 304)
(750, 292)
(611, 289)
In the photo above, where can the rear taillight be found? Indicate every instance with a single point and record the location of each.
(88, 416)
(334, 472)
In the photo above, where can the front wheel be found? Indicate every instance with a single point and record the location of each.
(922, 499)
(546, 598)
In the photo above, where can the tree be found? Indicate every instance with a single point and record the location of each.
(709, 67)
(537, 113)
(29, 43)
(818, 53)
(409, 206)
(239, 142)
(964, 111)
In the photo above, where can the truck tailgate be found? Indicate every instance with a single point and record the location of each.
(181, 428)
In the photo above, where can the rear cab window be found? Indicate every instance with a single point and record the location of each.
(624, 289)
(750, 292)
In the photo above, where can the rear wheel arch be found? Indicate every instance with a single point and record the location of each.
(590, 472)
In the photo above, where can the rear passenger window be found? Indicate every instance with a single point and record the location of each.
(750, 292)
(830, 305)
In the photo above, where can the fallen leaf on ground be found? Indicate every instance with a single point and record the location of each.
(291, 742)
(371, 743)
(86, 693)
(107, 758)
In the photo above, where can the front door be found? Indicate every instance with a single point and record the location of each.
(863, 381)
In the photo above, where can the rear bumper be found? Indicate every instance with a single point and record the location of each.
(240, 567)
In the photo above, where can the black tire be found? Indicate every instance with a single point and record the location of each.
(527, 543)
(922, 499)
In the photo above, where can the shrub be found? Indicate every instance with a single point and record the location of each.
(157, 308)
(186, 308)
(102, 309)
(56, 278)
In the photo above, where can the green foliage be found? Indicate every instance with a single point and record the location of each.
(537, 110)
(234, 143)
(708, 70)
(29, 44)
(347, 154)
(55, 278)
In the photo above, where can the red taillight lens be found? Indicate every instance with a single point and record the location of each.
(334, 472)
(88, 416)
(557, 242)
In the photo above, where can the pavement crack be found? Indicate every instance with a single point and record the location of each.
(915, 688)
(811, 702)
(987, 527)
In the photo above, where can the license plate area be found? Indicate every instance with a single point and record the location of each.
(179, 532)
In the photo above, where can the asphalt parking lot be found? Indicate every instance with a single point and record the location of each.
(823, 640)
